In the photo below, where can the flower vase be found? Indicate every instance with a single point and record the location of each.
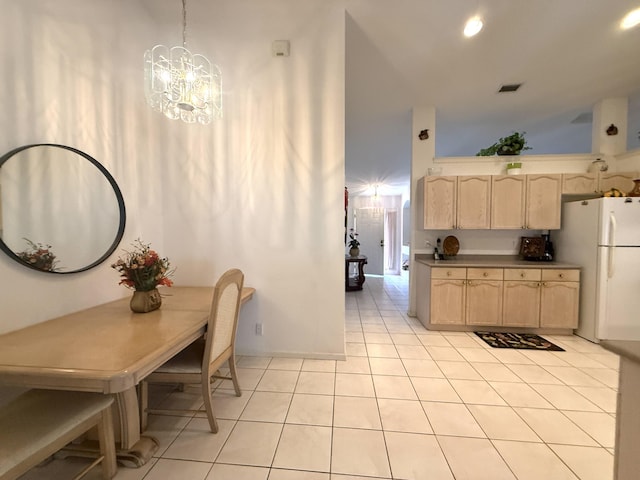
(636, 188)
(143, 302)
(354, 252)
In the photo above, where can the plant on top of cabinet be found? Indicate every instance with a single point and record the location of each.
(509, 145)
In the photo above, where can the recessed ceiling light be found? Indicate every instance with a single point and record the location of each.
(472, 27)
(631, 19)
(512, 87)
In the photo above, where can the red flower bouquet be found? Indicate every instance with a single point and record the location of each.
(143, 269)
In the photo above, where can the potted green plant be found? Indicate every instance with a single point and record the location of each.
(510, 145)
(354, 244)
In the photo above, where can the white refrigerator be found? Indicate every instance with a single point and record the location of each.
(602, 236)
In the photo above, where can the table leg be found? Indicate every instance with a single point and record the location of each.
(135, 449)
(132, 449)
(361, 277)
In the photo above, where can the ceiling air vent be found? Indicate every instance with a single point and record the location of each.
(512, 87)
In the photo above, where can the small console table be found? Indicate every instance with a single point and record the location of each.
(354, 282)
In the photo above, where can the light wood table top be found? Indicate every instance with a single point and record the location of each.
(106, 348)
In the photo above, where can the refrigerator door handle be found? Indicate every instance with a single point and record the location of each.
(611, 248)
(612, 230)
(610, 260)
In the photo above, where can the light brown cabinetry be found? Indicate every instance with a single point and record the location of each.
(530, 201)
(543, 203)
(448, 295)
(509, 297)
(473, 202)
(484, 296)
(521, 297)
(508, 201)
(597, 182)
(461, 296)
(559, 298)
(541, 298)
(457, 202)
(623, 181)
(440, 202)
(579, 183)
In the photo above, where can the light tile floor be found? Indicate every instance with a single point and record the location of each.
(406, 404)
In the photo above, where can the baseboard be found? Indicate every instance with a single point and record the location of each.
(312, 355)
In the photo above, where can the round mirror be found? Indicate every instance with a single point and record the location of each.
(60, 209)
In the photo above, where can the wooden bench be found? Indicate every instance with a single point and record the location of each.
(38, 423)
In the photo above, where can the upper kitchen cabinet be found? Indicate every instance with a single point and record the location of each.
(462, 202)
(543, 203)
(440, 202)
(473, 202)
(579, 183)
(597, 183)
(623, 181)
(508, 201)
(529, 201)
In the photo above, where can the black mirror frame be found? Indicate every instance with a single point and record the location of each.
(116, 190)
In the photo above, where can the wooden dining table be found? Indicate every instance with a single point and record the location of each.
(109, 349)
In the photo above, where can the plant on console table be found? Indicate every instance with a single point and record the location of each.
(510, 145)
(354, 244)
(143, 270)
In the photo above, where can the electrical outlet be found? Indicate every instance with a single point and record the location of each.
(259, 329)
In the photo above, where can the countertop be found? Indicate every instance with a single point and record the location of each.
(625, 348)
(489, 261)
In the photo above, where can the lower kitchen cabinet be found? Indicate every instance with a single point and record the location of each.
(505, 297)
(484, 296)
(466, 296)
(448, 296)
(521, 297)
(559, 299)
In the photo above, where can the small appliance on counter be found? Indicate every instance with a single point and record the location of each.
(536, 249)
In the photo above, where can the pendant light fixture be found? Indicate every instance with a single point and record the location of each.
(180, 84)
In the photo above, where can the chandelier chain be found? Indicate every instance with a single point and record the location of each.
(184, 23)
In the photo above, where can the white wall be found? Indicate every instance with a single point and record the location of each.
(261, 190)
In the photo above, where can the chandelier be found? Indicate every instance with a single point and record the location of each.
(180, 84)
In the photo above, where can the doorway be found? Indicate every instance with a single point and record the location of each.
(369, 223)
(380, 236)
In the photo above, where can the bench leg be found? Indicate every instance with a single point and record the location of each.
(107, 445)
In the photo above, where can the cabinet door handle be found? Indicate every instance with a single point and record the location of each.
(485, 274)
(561, 275)
(522, 275)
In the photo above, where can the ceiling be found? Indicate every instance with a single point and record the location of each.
(568, 55)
